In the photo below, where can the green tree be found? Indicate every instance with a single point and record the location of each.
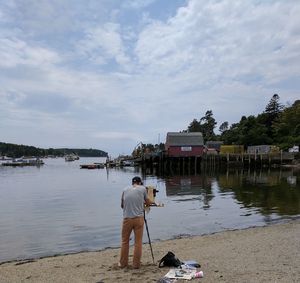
(274, 107)
(205, 125)
(287, 127)
(223, 127)
(194, 126)
(208, 124)
(253, 133)
(271, 114)
(247, 132)
(277, 124)
(231, 135)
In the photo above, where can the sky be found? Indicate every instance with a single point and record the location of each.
(109, 74)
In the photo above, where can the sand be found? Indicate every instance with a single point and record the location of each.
(261, 254)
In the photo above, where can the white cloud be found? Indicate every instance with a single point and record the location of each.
(222, 39)
(120, 78)
(103, 43)
(47, 18)
(137, 4)
(14, 52)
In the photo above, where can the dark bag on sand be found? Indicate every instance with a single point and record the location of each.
(169, 260)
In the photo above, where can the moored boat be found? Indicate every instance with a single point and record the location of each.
(92, 166)
(24, 162)
(71, 157)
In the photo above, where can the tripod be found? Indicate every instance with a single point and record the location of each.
(148, 236)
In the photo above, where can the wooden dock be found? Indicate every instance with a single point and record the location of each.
(163, 164)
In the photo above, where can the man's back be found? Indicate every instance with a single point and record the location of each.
(133, 201)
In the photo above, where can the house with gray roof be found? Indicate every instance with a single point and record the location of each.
(184, 144)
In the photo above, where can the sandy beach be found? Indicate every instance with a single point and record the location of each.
(261, 254)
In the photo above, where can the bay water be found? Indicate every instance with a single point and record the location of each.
(59, 208)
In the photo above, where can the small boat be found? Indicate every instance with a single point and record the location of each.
(92, 166)
(5, 158)
(127, 163)
(111, 164)
(71, 157)
(24, 162)
(35, 162)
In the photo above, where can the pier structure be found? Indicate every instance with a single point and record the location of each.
(161, 163)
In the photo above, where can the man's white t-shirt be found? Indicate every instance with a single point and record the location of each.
(133, 201)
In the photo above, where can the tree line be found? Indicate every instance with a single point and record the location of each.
(277, 125)
(16, 151)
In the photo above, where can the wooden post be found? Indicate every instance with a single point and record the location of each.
(261, 160)
(164, 160)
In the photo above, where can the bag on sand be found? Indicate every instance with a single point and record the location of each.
(169, 260)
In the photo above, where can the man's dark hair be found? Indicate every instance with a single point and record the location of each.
(136, 180)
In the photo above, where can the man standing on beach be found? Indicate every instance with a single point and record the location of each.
(133, 200)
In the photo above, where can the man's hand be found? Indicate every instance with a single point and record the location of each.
(148, 202)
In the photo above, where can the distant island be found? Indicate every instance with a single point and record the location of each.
(16, 151)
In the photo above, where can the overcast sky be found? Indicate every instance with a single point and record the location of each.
(108, 74)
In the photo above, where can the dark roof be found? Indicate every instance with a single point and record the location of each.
(214, 142)
(184, 139)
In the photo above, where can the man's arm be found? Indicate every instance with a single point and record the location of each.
(148, 202)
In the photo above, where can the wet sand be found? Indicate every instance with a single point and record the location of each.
(261, 254)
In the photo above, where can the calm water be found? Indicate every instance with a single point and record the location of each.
(59, 208)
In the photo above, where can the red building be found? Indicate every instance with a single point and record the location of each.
(184, 144)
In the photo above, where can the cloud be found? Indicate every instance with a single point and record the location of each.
(46, 102)
(14, 52)
(115, 73)
(137, 4)
(221, 40)
(117, 135)
(103, 43)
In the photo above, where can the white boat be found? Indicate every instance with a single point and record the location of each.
(36, 162)
(127, 163)
(24, 162)
(5, 158)
(71, 157)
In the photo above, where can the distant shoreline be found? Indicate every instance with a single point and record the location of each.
(19, 150)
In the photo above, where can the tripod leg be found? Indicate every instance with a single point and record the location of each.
(148, 237)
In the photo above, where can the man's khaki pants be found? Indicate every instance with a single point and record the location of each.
(137, 225)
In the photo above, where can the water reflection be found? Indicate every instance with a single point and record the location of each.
(199, 185)
(269, 191)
